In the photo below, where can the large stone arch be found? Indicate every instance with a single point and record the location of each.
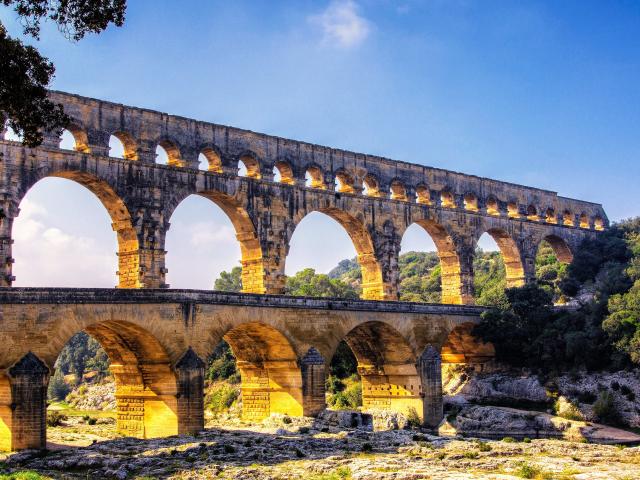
(387, 366)
(252, 260)
(372, 278)
(129, 274)
(513, 263)
(451, 276)
(560, 248)
(268, 364)
(155, 396)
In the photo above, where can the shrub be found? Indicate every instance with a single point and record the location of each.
(413, 419)
(221, 397)
(509, 440)
(92, 421)
(367, 447)
(55, 418)
(484, 446)
(526, 470)
(604, 408)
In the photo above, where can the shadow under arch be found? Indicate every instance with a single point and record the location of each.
(271, 380)
(451, 275)
(387, 367)
(515, 276)
(372, 282)
(461, 346)
(560, 248)
(122, 224)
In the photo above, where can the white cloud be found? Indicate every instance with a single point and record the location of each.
(342, 25)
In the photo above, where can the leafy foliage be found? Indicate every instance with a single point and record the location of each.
(308, 283)
(57, 389)
(222, 364)
(25, 74)
(82, 353)
(229, 281)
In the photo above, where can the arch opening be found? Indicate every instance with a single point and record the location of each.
(441, 277)
(513, 210)
(122, 145)
(344, 182)
(209, 160)
(493, 207)
(53, 247)
(371, 186)
(386, 365)
(248, 166)
(398, 191)
(447, 200)
(333, 242)
(471, 202)
(513, 266)
(462, 347)
(550, 216)
(532, 213)
(314, 178)
(567, 219)
(271, 381)
(168, 153)
(226, 227)
(584, 220)
(423, 195)
(552, 258)
(283, 173)
(74, 138)
(598, 224)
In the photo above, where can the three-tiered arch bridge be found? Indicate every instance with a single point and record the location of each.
(158, 339)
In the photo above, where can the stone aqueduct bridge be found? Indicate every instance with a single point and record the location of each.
(156, 339)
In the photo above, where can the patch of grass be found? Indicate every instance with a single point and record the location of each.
(471, 455)
(509, 440)
(340, 473)
(221, 397)
(26, 475)
(526, 470)
(483, 446)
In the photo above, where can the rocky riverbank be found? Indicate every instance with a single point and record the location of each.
(311, 450)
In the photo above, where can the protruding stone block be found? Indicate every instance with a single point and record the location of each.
(190, 375)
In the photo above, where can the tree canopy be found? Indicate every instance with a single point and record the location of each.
(25, 74)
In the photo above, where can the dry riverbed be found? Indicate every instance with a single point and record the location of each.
(295, 450)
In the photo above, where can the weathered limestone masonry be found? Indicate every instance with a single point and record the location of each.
(157, 340)
(375, 199)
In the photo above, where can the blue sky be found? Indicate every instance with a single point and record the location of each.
(541, 93)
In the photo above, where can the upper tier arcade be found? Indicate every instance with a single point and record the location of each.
(375, 199)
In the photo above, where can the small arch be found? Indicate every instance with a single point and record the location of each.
(314, 178)
(512, 210)
(122, 145)
(584, 220)
(284, 172)
(344, 182)
(560, 248)
(74, 138)
(511, 255)
(567, 219)
(550, 216)
(268, 364)
(209, 160)
(471, 202)
(598, 223)
(446, 199)
(249, 166)
(493, 207)
(462, 347)
(168, 154)
(371, 186)
(532, 213)
(398, 190)
(423, 195)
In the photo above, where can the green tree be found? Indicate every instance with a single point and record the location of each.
(58, 389)
(229, 281)
(308, 283)
(25, 74)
